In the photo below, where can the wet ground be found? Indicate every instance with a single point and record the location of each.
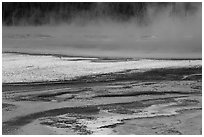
(160, 101)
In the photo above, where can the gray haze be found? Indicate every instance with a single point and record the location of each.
(164, 35)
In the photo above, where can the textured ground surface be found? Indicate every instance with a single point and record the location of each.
(36, 68)
(158, 101)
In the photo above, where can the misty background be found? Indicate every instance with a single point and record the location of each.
(121, 29)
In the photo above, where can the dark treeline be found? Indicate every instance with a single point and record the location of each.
(39, 13)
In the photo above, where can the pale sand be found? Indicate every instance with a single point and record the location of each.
(29, 68)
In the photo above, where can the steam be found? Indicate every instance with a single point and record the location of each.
(170, 31)
(163, 33)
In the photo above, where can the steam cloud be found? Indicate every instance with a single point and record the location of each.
(164, 30)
